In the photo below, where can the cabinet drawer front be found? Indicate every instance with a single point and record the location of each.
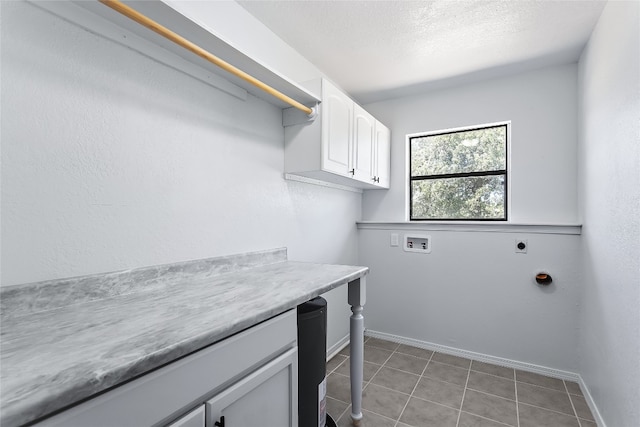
(166, 393)
(266, 397)
(194, 418)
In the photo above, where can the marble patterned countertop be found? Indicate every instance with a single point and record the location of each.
(65, 340)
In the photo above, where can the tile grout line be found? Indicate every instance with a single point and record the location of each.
(342, 413)
(407, 372)
(542, 386)
(415, 397)
(437, 403)
(373, 412)
(381, 365)
(485, 418)
(554, 410)
(434, 361)
(333, 371)
(478, 390)
(399, 352)
(549, 410)
(365, 383)
(391, 389)
(440, 404)
(571, 401)
(414, 387)
(464, 392)
(498, 396)
(338, 365)
(376, 373)
(327, 375)
(515, 385)
(493, 375)
(430, 359)
(382, 386)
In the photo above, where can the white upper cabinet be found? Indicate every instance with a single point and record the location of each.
(344, 145)
(336, 131)
(382, 151)
(363, 145)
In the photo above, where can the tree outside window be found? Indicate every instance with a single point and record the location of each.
(459, 175)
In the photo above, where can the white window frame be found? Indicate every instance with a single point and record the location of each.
(407, 179)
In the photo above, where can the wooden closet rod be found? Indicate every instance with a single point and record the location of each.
(141, 19)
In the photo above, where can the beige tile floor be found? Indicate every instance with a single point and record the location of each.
(407, 386)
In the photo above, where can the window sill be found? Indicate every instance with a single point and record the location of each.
(473, 226)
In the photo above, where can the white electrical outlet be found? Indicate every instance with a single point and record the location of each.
(417, 243)
(521, 246)
(394, 239)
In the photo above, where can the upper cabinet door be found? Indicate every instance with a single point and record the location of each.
(383, 155)
(337, 112)
(363, 145)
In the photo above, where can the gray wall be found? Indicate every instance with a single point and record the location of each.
(610, 200)
(542, 107)
(111, 161)
(473, 292)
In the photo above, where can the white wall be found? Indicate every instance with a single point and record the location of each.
(112, 161)
(543, 112)
(610, 201)
(473, 292)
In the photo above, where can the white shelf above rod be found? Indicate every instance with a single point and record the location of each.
(163, 31)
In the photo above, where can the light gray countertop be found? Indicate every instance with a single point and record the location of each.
(63, 341)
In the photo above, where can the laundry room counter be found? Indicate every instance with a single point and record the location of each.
(66, 340)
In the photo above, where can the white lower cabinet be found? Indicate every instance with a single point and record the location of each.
(250, 379)
(194, 418)
(267, 397)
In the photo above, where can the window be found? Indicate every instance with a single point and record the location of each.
(459, 174)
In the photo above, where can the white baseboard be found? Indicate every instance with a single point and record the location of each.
(500, 361)
(592, 404)
(335, 349)
(480, 357)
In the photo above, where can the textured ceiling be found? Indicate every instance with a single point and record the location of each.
(384, 49)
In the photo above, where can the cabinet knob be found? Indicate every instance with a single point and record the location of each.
(219, 423)
(352, 171)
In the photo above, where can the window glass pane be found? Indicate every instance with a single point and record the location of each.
(480, 197)
(459, 152)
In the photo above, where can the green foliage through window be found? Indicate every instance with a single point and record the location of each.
(459, 175)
